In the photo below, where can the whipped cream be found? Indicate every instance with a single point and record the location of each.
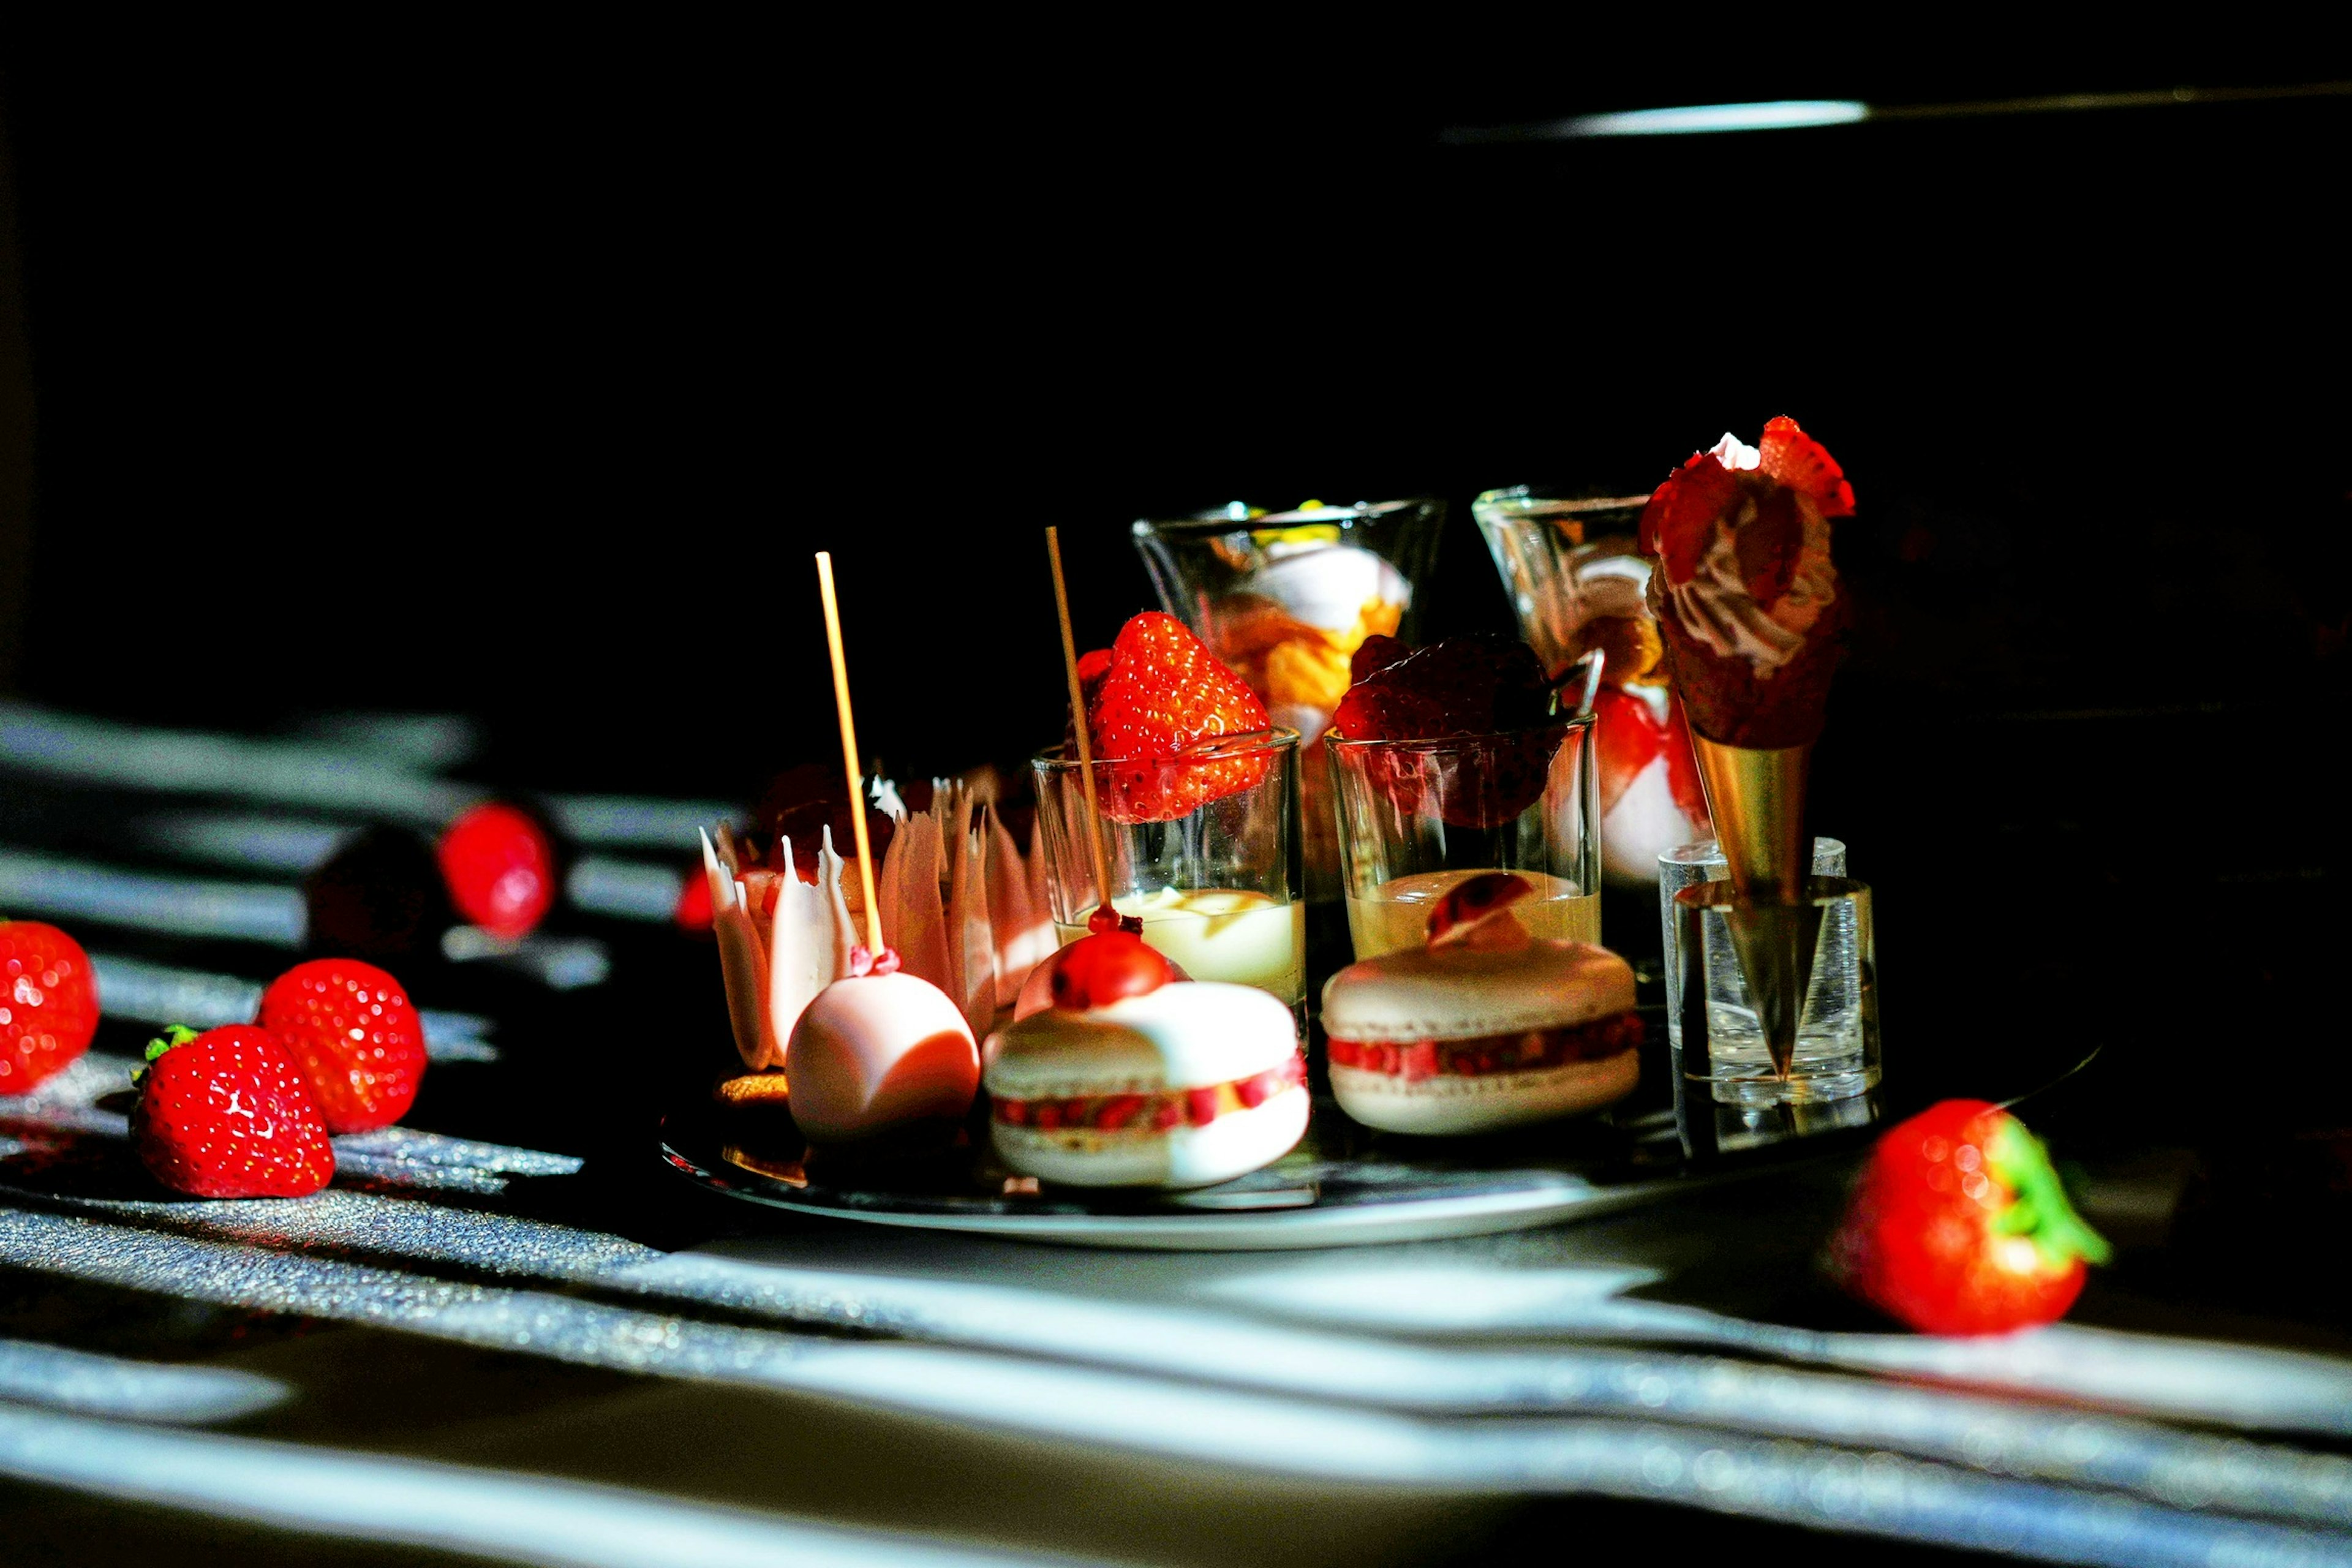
(1713, 607)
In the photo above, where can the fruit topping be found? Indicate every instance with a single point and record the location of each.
(501, 870)
(48, 1003)
(350, 1029)
(1163, 697)
(1462, 686)
(1959, 1226)
(1106, 967)
(226, 1114)
(1475, 913)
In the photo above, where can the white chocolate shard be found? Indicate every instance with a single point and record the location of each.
(742, 963)
(914, 917)
(808, 947)
(1024, 929)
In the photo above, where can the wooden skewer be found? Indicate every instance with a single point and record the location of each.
(849, 753)
(1078, 716)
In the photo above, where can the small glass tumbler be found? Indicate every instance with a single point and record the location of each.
(1285, 598)
(1728, 1093)
(1417, 817)
(1216, 887)
(1691, 864)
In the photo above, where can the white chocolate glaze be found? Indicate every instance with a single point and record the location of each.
(876, 1051)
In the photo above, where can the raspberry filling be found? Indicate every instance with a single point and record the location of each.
(1152, 1113)
(1531, 1051)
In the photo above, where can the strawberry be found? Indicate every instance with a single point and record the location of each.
(1163, 696)
(225, 1114)
(501, 870)
(693, 912)
(1098, 970)
(349, 1028)
(1802, 463)
(1627, 737)
(1959, 1226)
(48, 1003)
(1491, 688)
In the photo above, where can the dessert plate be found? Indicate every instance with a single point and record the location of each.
(1343, 1186)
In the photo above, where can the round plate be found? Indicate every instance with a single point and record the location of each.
(1344, 1185)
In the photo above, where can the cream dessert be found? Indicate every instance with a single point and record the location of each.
(879, 1050)
(1221, 933)
(1133, 1077)
(1484, 1025)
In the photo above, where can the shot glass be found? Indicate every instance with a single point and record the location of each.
(1729, 1092)
(1689, 865)
(1285, 598)
(1216, 888)
(1416, 817)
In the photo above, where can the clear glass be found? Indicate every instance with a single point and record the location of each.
(1217, 888)
(1285, 598)
(1688, 864)
(1720, 1057)
(1415, 817)
(1578, 582)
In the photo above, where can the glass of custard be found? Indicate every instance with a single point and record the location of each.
(1217, 887)
(1416, 817)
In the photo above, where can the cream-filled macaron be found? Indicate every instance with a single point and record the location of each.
(1132, 1080)
(1485, 1027)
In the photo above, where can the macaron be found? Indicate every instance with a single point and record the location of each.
(1485, 1027)
(1140, 1081)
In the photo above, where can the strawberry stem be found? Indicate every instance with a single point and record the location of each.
(2040, 1211)
(173, 1034)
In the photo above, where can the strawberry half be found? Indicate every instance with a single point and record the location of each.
(1959, 1226)
(225, 1114)
(349, 1028)
(1163, 697)
(48, 1003)
(1802, 463)
(1486, 691)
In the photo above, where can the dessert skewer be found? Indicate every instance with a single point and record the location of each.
(1078, 724)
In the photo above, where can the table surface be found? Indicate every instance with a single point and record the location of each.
(507, 1334)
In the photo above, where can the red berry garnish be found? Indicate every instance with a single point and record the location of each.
(1164, 694)
(48, 1003)
(1097, 971)
(501, 870)
(349, 1027)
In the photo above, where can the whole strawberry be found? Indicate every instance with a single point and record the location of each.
(1163, 693)
(351, 1032)
(48, 1003)
(1959, 1226)
(501, 870)
(225, 1114)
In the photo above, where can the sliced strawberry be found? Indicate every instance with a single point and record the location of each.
(1802, 463)
(1489, 687)
(48, 1003)
(226, 1114)
(1165, 697)
(1768, 541)
(1627, 737)
(1675, 523)
(1682, 764)
(1376, 653)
